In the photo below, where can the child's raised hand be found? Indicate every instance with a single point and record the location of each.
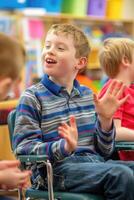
(111, 101)
(70, 134)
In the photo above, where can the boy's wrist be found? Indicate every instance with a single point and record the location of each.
(106, 123)
(64, 151)
(68, 149)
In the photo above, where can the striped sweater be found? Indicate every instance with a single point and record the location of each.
(41, 110)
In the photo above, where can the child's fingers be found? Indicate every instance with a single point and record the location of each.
(64, 135)
(124, 99)
(62, 132)
(120, 90)
(63, 129)
(10, 163)
(111, 87)
(29, 172)
(24, 185)
(23, 175)
(64, 124)
(73, 121)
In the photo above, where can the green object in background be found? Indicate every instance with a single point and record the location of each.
(75, 7)
(97, 84)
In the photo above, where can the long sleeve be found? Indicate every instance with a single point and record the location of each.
(105, 141)
(40, 112)
(29, 136)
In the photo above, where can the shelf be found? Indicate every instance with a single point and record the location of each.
(63, 16)
(94, 65)
(47, 19)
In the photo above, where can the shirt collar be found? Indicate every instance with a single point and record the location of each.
(55, 88)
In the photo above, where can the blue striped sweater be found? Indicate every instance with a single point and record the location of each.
(41, 110)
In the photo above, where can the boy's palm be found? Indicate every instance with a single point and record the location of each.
(70, 134)
(111, 101)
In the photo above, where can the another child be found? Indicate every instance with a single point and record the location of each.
(57, 118)
(117, 60)
(12, 59)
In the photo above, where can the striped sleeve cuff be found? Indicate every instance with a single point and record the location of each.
(107, 136)
(105, 140)
(58, 151)
(62, 148)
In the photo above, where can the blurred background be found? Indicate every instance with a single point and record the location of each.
(29, 21)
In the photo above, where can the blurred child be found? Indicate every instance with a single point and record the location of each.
(12, 60)
(117, 60)
(56, 117)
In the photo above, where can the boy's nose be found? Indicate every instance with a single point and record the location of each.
(51, 50)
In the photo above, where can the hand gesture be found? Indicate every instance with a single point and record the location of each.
(69, 133)
(111, 101)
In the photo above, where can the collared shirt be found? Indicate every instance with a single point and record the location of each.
(126, 111)
(42, 109)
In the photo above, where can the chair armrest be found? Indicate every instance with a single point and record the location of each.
(40, 158)
(32, 158)
(124, 145)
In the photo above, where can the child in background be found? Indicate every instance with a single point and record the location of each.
(56, 117)
(12, 60)
(117, 60)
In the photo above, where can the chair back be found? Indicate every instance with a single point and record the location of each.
(11, 124)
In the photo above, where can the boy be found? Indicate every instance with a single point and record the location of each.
(117, 60)
(12, 59)
(46, 122)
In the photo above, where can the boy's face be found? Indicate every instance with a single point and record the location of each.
(58, 56)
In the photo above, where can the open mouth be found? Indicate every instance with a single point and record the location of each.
(50, 61)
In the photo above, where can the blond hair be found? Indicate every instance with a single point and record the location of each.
(81, 42)
(12, 57)
(112, 53)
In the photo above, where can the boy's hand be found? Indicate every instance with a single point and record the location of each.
(70, 134)
(109, 103)
(13, 177)
(9, 163)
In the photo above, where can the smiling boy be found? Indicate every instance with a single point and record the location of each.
(57, 118)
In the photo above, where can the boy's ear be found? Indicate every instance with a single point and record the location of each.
(81, 63)
(125, 61)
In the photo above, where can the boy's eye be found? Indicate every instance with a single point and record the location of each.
(61, 48)
(47, 46)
